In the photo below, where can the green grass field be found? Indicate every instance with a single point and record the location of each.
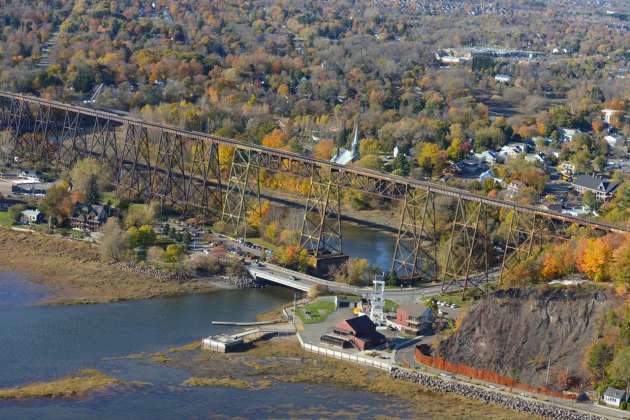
(315, 312)
(390, 306)
(5, 220)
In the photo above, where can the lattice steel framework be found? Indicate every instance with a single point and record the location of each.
(239, 187)
(415, 255)
(182, 167)
(467, 248)
(525, 234)
(321, 227)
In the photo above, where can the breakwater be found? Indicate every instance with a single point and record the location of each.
(513, 402)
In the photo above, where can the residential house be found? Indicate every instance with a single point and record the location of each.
(567, 134)
(610, 115)
(487, 156)
(535, 158)
(601, 187)
(614, 397)
(567, 168)
(410, 323)
(89, 217)
(359, 332)
(514, 188)
(503, 78)
(29, 175)
(512, 150)
(615, 140)
(31, 217)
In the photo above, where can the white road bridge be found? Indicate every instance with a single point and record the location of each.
(304, 282)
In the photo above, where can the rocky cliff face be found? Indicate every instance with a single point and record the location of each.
(518, 332)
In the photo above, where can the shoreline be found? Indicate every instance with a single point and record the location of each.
(76, 275)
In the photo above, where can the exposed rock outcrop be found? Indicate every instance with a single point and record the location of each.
(518, 332)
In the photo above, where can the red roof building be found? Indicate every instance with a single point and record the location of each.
(360, 331)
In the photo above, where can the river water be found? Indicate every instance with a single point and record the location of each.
(374, 245)
(46, 342)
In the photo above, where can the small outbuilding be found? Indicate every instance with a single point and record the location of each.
(614, 397)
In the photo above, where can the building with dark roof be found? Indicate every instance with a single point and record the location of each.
(359, 332)
(88, 217)
(601, 187)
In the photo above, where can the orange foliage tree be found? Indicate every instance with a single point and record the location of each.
(559, 260)
(593, 255)
(324, 149)
(276, 139)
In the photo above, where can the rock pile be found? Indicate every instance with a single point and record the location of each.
(513, 402)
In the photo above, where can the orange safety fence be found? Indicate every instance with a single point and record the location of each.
(484, 375)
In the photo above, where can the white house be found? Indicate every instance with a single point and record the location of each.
(609, 115)
(31, 216)
(535, 158)
(512, 150)
(615, 140)
(567, 168)
(502, 78)
(567, 134)
(614, 397)
(487, 156)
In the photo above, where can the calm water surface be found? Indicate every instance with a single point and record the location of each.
(374, 245)
(46, 342)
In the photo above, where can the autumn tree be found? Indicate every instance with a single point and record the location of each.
(113, 241)
(324, 150)
(431, 159)
(277, 139)
(593, 257)
(89, 177)
(57, 204)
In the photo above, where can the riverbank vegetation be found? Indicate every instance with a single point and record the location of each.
(77, 274)
(83, 383)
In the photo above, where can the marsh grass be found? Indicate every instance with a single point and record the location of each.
(80, 384)
(227, 383)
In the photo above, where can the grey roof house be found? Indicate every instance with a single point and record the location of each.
(601, 187)
(614, 397)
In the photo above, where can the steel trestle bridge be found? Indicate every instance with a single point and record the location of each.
(444, 233)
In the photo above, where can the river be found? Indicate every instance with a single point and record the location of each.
(374, 245)
(42, 343)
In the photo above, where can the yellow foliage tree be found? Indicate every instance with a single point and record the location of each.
(256, 217)
(324, 149)
(276, 139)
(593, 256)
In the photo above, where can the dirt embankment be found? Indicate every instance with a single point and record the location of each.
(525, 333)
(76, 273)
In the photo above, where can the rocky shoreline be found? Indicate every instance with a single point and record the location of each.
(522, 405)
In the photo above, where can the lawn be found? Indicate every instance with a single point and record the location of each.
(315, 312)
(5, 219)
(390, 306)
(455, 298)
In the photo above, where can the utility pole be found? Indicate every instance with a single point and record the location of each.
(547, 378)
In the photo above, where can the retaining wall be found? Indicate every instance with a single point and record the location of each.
(512, 402)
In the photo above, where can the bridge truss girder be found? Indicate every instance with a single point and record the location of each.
(467, 245)
(239, 188)
(414, 258)
(320, 233)
(155, 160)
